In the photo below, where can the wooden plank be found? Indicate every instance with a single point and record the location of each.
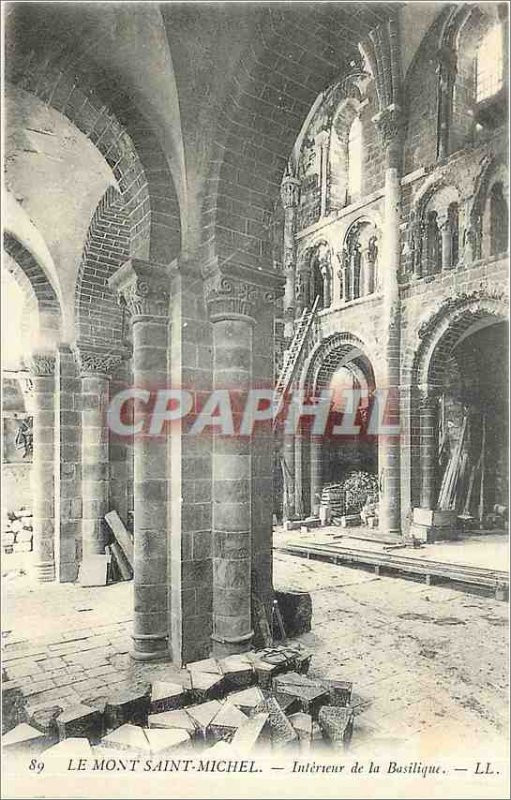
(121, 562)
(122, 536)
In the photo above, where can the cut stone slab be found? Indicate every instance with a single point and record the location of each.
(204, 713)
(238, 672)
(127, 737)
(205, 665)
(288, 703)
(339, 692)
(310, 694)
(253, 733)
(221, 748)
(206, 686)
(164, 741)
(127, 705)
(336, 724)
(282, 733)
(302, 723)
(225, 724)
(80, 721)
(23, 739)
(44, 718)
(166, 697)
(75, 747)
(247, 699)
(93, 570)
(173, 719)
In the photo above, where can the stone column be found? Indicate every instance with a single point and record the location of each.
(445, 233)
(144, 287)
(42, 370)
(290, 195)
(232, 305)
(316, 467)
(428, 450)
(94, 366)
(322, 141)
(389, 124)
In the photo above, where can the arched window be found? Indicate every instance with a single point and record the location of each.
(489, 64)
(355, 159)
(498, 220)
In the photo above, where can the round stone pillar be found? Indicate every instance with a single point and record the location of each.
(428, 451)
(290, 195)
(144, 288)
(42, 369)
(389, 444)
(231, 305)
(316, 466)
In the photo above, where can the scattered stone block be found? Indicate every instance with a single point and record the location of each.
(44, 718)
(302, 723)
(336, 724)
(163, 741)
(206, 686)
(282, 733)
(127, 705)
(237, 671)
(221, 748)
(339, 692)
(80, 721)
(75, 747)
(23, 740)
(12, 705)
(288, 703)
(225, 724)
(296, 610)
(204, 714)
(247, 699)
(166, 697)
(205, 665)
(253, 733)
(173, 719)
(93, 570)
(127, 737)
(310, 694)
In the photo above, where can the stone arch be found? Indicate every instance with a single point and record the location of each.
(98, 314)
(494, 170)
(277, 82)
(42, 314)
(452, 321)
(347, 112)
(315, 276)
(358, 275)
(441, 198)
(332, 352)
(99, 109)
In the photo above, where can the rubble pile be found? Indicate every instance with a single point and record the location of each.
(259, 701)
(17, 531)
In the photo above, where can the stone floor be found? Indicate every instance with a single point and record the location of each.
(428, 664)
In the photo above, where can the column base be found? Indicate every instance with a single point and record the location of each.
(44, 572)
(150, 647)
(230, 646)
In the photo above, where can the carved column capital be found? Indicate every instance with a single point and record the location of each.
(240, 292)
(389, 123)
(41, 365)
(290, 191)
(96, 359)
(144, 288)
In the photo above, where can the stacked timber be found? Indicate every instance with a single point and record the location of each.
(333, 496)
(17, 531)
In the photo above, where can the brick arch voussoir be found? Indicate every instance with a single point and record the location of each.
(98, 315)
(99, 108)
(34, 275)
(440, 334)
(328, 356)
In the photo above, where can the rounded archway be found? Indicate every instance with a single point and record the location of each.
(342, 369)
(461, 387)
